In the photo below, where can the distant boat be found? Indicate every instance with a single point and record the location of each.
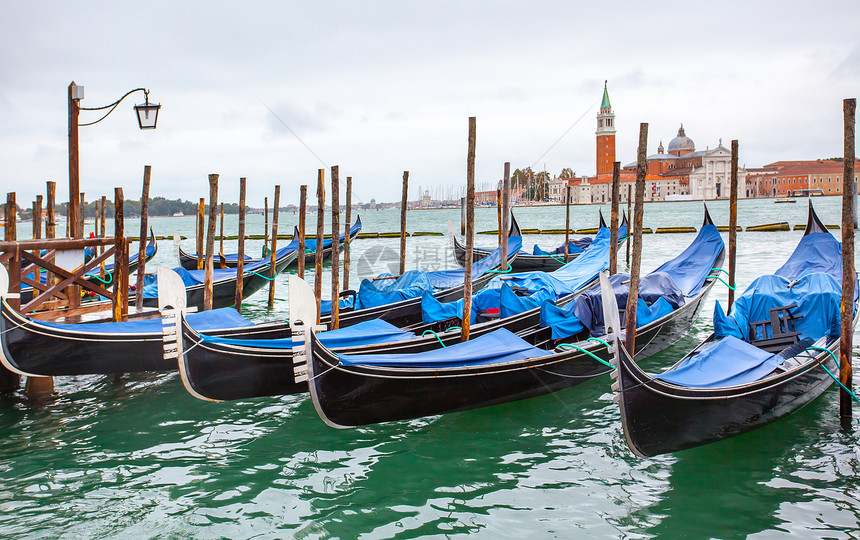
(786, 200)
(178, 214)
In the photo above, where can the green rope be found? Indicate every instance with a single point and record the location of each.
(599, 341)
(724, 282)
(261, 275)
(720, 270)
(853, 395)
(506, 271)
(580, 349)
(559, 259)
(106, 282)
(453, 328)
(435, 334)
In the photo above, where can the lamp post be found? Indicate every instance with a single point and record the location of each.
(147, 115)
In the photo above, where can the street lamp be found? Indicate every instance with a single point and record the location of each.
(147, 115)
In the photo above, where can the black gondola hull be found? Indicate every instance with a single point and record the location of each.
(360, 395)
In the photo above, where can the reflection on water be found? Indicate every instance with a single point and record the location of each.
(141, 458)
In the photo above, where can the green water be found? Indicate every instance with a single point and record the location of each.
(143, 459)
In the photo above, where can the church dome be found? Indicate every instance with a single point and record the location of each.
(681, 144)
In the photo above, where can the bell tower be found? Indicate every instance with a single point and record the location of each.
(605, 135)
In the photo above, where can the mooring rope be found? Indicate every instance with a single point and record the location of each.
(834, 377)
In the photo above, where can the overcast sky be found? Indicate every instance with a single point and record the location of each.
(382, 87)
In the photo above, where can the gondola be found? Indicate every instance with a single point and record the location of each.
(743, 377)
(501, 366)
(255, 276)
(546, 262)
(94, 277)
(217, 369)
(189, 261)
(32, 347)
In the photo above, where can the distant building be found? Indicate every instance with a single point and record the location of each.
(784, 178)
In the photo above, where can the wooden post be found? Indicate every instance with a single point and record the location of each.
(74, 173)
(102, 232)
(566, 223)
(463, 216)
(120, 282)
(265, 226)
(275, 210)
(506, 214)
(335, 245)
(630, 218)
(240, 261)
(614, 219)
(221, 235)
(346, 239)
(11, 218)
(403, 204)
(37, 217)
(50, 223)
(470, 230)
(318, 261)
(83, 214)
(633, 295)
(141, 254)
(733, 223)
(303, 210)
(200, 222)
(499, 213)
(209, 273)
(849, 189)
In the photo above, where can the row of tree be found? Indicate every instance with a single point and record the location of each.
(158, 206)
(535, 184)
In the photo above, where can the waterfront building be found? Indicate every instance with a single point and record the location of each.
(786, 178)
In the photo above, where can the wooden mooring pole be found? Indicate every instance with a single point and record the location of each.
(733, 223)
(221, 238)
(318, 260)
(506, 214)
(272, 256)
(335, 247)
(614, 219)
(102, 233)
(240, 261)
(37, 217)
(9, 381)
(200, 224)
(499, 213)
(210, 242)
(265, 227)
(630, 222)
(50, 201)
(463, 216)
(347, 226)
(120, 282)
(141, 254)
(470, 230)
(633, 295)
(566, 224)
(403, 204)
(849, 189)
(303, 210)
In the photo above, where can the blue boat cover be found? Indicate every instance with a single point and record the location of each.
(516, 293)
(325, 305)
(729, 362)
(818, 297)
(574, 247)
(214, 319)
(413, 283)
(658, 296)
(676, 279)
(816, 252)
(496, 347)
(364, 333)
(691, 268)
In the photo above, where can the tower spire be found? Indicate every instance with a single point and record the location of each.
(605, 104)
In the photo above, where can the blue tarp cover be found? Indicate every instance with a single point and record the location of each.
(363, 333)
(413, 283)
(214, 319)
(494, 348)
(574, 246)
(729, 362)
(535, 288)
(682, 276)
(818, 297)
(816, 252)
